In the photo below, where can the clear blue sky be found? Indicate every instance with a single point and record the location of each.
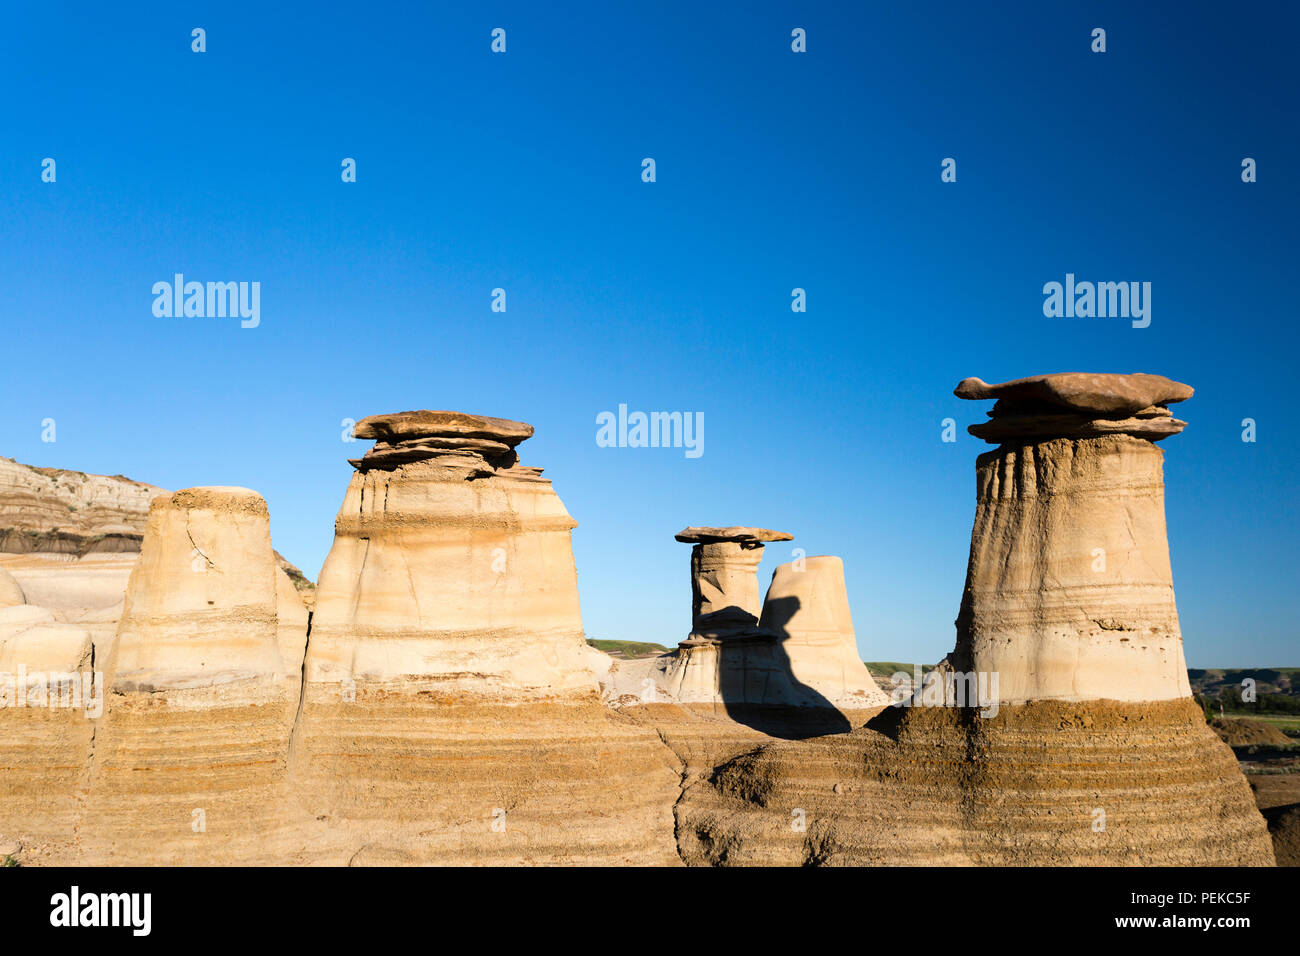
(775, 170)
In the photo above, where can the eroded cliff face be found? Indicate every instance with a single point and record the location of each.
(53, 511)
(442, 707)
(1061, 729)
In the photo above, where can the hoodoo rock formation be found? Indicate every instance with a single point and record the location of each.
(724, 608)
(451, 566)
(1069, 592)
(201, 609)
(724, 576)
(807, 607)
(797, 650)
(449, 710)
(1084, 746)
(440, 705)
(198, 710)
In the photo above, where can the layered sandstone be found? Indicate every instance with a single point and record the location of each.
(807, 607)
(449, 710)
(69, 512)
(1069, 590)
(1040, 784)
(188, 764)
(50, 695)
(71, 540)
(440, 707)
(1081, 744)
(798, 649)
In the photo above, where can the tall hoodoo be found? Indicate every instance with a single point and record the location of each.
(1089, 749)
(451, 565)
(450, 712)
(1069, 593)
(724, 576)
(801, 653)
(189, 758)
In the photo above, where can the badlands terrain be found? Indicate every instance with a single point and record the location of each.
(175, 692)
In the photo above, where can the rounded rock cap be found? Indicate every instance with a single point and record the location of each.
(425, 423)
(1098, 393)
(733, 533)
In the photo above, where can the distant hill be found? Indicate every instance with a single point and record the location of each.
(1276, 690)
(627, 650)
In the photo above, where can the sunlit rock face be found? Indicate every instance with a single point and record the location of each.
(1088, 749)
(807, 607)
(450, 713)
(178, 752)
(451, 566)
(1069, 591)
(201, 606)
(11, 594)
(797, 649)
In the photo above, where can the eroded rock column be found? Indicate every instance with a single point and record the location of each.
(1090, 751)
(450, 711)
(1069, 592)
(724, 577)
(188, 763)
(451, 566)
(807, 608)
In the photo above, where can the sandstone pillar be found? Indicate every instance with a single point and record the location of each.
(724, 576)
(807, 608)
(451, 566)
(450, 713)
(1090, 750)
(188, 765)
(1069, 592)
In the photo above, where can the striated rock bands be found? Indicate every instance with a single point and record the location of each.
(441, 705)
(1043, 784)
(450, 713)
(1084, 747)
(1069, 592)
(69, 512)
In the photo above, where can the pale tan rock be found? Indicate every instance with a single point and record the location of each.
(802, 655)
(807, 606)
(724, 575)
(451, 712)
(1069, 592)
(50, 697)
(74, 588)
(1069, 603)
(201, 607)
(44, 647)
(189, 760)
(40, 658)
(25, 615)
(291, 630)
(10, 593)
(462, 584)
